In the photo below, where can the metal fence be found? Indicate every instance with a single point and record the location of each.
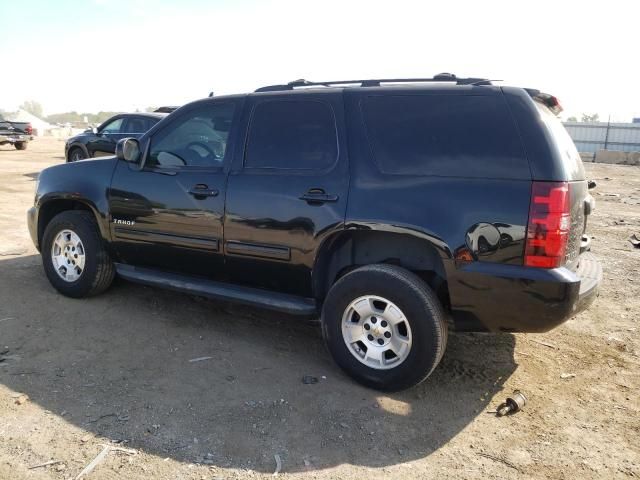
(590, 137)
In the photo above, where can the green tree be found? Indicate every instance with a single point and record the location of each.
(590, 118)
(67, 117)
(33, 107)
(572, 119)
(78, 118)
(100, 117)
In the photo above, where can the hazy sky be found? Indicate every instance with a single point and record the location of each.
(126, 54)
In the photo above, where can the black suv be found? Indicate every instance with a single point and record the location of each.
(395, 209)
(101, 141)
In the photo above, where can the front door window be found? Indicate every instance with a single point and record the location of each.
(198, 139)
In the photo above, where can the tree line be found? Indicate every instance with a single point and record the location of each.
(35, 108)
(585, 118)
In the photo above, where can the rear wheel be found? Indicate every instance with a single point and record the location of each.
(74, 257)
(76, 154)
(20, 145)
(384, 326)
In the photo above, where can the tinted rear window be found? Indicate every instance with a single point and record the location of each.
(299, 135)
(444, 135)
(138, 124)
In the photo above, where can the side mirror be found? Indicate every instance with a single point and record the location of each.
(128, 149)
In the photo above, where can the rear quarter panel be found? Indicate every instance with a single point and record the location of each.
(465, 218)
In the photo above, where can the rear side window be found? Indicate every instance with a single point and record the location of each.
(563, 142)
(292, 135)
(138, 125)
(444, 135)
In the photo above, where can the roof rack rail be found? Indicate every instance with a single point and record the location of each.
(441, 77)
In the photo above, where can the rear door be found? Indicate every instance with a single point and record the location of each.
(287, 191)
(136, 126)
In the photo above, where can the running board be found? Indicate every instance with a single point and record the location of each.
(280, 302)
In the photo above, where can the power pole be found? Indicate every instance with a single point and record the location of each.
(606, 137)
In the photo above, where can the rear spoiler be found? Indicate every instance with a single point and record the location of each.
(551, 102)
(165, 109)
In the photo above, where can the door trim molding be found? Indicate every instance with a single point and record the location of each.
(258, 250)
(198, 243)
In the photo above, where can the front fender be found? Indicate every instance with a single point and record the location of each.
(85, 183)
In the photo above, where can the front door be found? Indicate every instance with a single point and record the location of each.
(104, 142)
(168, 215)
(287, 191)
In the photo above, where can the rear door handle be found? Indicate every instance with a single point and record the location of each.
(202, 191)
(318, 196)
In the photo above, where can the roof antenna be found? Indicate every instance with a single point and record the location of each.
(210, 94)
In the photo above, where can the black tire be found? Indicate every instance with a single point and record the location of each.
(98, 271)
(421, 308)
(76, 153)
(20, 145)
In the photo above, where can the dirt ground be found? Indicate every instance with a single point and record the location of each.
(79, 374)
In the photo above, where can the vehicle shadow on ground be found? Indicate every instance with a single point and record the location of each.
(199, 381)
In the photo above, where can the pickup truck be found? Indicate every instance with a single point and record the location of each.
(393, 209)
(16, 133)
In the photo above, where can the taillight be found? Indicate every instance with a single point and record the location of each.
(549, 225)
(29, 129)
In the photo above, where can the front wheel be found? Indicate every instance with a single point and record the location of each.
(74, 257)
(20, 145)
(76, 154)
(384, 326)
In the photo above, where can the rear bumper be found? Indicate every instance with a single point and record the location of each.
(32, 222)
(14, 138)
(511, 298)
(590, 273)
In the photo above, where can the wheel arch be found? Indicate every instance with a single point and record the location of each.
(349, 249)
(79, 145)
(52, 207)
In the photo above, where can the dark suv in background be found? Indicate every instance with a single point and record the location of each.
(101, 141)
(395, 209)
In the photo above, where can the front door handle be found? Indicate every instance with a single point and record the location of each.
(317, 195)
(201, 191)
